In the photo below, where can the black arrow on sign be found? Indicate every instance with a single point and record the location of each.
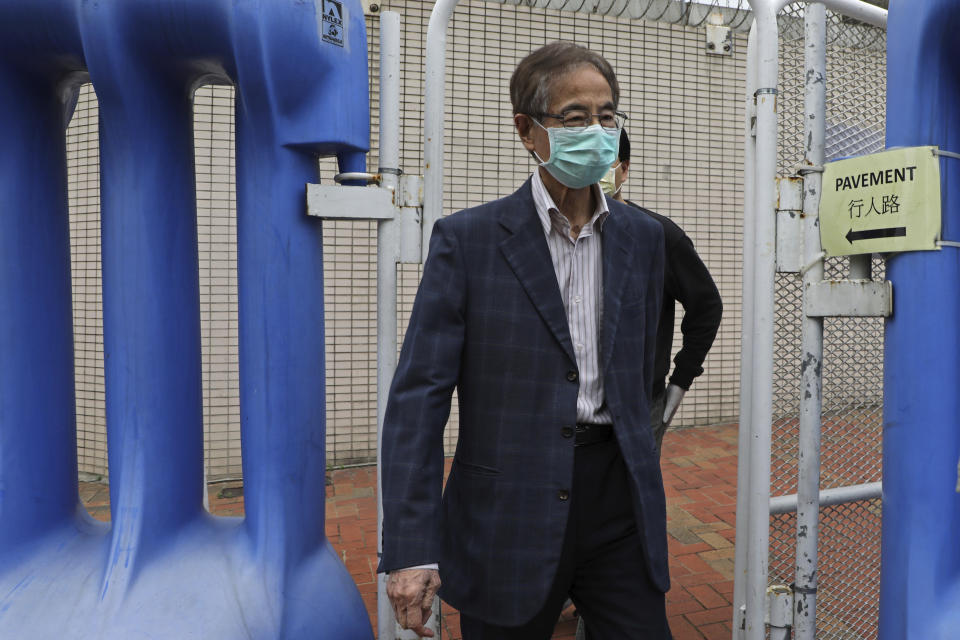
(873, 234)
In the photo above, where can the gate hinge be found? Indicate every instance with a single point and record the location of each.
(789, 220)
(411, 218)
(411, 191)
(779, 607)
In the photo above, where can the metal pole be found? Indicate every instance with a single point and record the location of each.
(871, 14)
(436, 69)
(390, 98)
(746, 342)
(811, 341)
(761, 394)
(388, 254)
(828, 497)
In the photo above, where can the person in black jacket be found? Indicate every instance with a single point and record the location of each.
(687, 281)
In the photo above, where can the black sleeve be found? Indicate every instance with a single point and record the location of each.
(655, 293)
(690, 283)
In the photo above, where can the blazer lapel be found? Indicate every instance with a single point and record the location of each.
(618, 247)
(525, 250)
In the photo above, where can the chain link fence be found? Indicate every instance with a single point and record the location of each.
(849, 545)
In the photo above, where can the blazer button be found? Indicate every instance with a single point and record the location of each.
(572, 376)
(567, 432)
(563, 494)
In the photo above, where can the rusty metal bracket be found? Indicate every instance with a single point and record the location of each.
(849, 298)
(357, 203)
(719, 40)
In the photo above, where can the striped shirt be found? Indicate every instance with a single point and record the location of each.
(578, 265)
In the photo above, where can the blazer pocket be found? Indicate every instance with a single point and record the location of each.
(476, 469)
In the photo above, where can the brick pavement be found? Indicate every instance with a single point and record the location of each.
(699, 472)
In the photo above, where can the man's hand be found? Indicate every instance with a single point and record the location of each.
(411, 592)
(672, 403)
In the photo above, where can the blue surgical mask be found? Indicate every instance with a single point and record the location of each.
(580, 157)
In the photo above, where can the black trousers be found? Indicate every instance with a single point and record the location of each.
(601, 566)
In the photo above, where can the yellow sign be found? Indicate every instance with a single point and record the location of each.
(888, 201)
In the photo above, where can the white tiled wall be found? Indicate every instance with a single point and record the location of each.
(83, 172)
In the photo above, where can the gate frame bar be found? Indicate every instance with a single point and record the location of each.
(760, 159)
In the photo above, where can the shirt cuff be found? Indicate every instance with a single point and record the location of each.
(433, 565)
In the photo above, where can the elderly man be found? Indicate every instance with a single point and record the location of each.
(541, 310)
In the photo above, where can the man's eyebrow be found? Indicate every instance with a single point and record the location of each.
(576, 106)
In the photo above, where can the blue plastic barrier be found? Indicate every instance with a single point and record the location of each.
(919, 596)
(165, 568)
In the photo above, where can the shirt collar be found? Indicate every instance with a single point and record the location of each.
(546, 206)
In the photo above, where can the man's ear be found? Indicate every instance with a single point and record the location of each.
(624, 168)
(524, 125)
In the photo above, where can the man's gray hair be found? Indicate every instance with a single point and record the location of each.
(533, 79)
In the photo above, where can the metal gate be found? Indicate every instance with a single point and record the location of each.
(823, 565)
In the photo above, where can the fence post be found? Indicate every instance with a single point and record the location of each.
(746, 344)
(761, 252)
(811, 381)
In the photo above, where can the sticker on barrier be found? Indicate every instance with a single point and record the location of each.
(333, 22)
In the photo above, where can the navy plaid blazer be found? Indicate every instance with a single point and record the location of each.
(489, 321)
